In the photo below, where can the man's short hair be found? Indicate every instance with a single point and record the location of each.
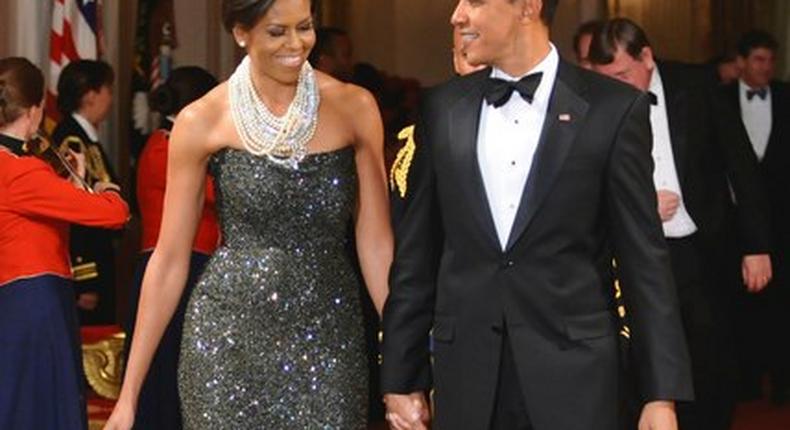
(588, 27)
(548, 11)
(754, 39)
(614, 34)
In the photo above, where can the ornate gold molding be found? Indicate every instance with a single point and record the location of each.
(103, 362)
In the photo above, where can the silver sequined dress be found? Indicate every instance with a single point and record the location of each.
(273, 336)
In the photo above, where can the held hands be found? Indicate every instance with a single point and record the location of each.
(668, 203)
(407, 411)
(757, 272)
(658, 415)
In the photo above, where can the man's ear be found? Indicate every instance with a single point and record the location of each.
(530, 10)
(646, 56)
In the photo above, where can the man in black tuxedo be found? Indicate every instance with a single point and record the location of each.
(700, 155)
(764, 107)
(520, 193)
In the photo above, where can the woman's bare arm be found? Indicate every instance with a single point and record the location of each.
(373, 229)
(167, 271)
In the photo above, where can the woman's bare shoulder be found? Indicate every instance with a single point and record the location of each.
(358, 109)
(345, 96)
(205, 120)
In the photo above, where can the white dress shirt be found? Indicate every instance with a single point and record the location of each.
(665, 175)
(506, 144)
(90, 130)
(757, 117)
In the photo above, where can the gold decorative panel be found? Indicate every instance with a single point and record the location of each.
(677, 29)
(103, 362)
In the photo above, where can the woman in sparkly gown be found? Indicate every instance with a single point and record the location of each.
(273, 334)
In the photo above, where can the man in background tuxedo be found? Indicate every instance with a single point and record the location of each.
(764, 107)
(527, 178)
(698, 151)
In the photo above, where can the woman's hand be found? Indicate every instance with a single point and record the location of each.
(122, 417)
(101, 187)
(77, 162)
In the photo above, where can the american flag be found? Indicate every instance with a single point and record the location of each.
(76, 33)
(154, 41)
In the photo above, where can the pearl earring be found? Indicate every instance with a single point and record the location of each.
(242, 44)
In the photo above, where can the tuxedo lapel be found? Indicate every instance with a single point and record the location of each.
(734, 95)
(775, 118)
(677, 118)
(564, 117)
(464, 128)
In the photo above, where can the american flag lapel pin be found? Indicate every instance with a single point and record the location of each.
(565, 117)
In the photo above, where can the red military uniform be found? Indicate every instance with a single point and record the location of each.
(39, 338)
(36, 209)
(151, 180)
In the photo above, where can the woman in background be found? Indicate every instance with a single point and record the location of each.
(84, 99)
(40, 358)
(159, 405)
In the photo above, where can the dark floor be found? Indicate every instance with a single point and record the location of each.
(762, 415)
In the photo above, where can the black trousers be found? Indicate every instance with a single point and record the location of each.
(705, 292)
(510, 410)
(763, 320)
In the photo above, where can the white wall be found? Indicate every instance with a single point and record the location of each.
(201, 39)
(419, 33)
(26, 38)
(407, 38)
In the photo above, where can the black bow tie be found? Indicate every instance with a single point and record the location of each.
(762, 93)
(499, 91)
(653, 98)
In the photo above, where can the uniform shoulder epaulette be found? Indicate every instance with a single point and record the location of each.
(399, 174)
(71, 139)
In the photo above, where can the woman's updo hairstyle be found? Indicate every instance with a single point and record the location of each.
(183, 86)
(246, 13)
(21, 87)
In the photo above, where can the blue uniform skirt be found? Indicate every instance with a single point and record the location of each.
(40, 356)
(159, 404)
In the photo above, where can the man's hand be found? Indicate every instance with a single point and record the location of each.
(668, 203)
(757, 272)
(658, 415)
(407, 411)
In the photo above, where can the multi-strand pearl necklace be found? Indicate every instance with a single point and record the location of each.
(281, 138)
